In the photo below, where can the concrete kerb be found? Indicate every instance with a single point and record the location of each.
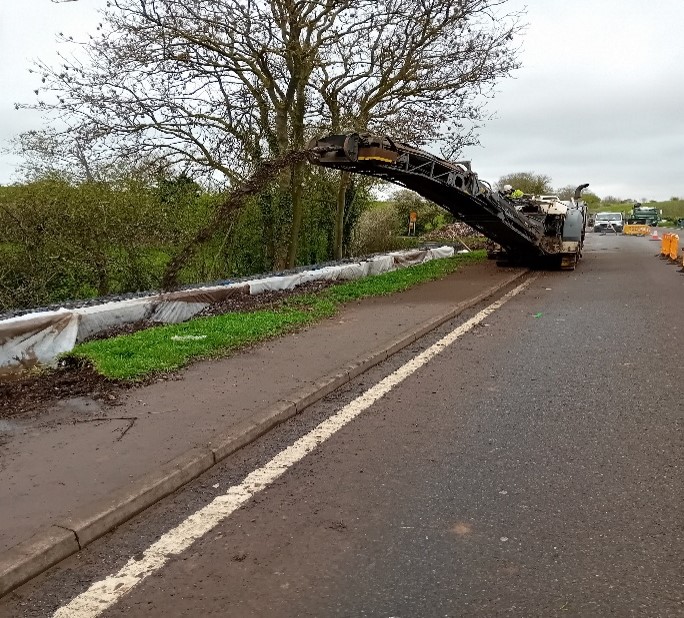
(67, 536)
(320, 388)
(244, 433)
(103, 515)
(29, 558)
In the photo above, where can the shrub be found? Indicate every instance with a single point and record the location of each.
(430, 217)
(62, 241)
(378, 230)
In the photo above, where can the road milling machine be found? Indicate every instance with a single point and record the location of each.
(535, 230)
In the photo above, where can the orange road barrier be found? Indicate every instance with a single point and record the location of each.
(665, 245)
(633, 229)
(674, 247)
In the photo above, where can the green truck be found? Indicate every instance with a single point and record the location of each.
(643, 215)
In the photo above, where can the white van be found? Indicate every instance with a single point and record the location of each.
(608, 222)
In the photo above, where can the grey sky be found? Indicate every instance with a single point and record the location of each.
(599, 99)
(28, 30)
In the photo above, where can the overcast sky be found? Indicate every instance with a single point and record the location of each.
(599, 98)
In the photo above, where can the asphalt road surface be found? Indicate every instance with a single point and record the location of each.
(529, 465)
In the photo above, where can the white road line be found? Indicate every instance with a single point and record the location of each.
(105, 593)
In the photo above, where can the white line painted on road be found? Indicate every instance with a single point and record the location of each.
(105, 593)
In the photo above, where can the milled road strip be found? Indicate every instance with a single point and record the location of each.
(105, 593)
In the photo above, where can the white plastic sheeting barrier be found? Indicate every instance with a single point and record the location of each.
(28, 340)
(39, 338)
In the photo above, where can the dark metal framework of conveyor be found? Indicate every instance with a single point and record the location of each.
(451, 185)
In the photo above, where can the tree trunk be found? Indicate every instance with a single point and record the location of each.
(297, 189)
(339, 215)
(267, 210)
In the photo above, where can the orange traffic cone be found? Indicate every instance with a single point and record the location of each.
(654, 234)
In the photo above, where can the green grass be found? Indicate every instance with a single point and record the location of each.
(672, 209)
(167, 348)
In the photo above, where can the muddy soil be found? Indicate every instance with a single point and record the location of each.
(32, 392)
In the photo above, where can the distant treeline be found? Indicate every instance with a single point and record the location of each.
(672, 209)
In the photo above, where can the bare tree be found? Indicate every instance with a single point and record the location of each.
(566, 192)
(48, 153)
(213, 84)
(218, 85)
(527, 182)
(74, 156)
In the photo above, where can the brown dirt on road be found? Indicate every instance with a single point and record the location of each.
(33, 392)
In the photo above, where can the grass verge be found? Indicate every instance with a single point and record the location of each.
(166, 348)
